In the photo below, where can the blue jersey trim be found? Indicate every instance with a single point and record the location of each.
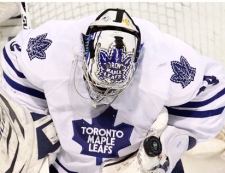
(37, 116)
(195, 114)
(60, 164)
(24, 89)
(8, 60)
(203, 103)
(44, 145)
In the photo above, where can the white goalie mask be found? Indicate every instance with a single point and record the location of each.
(111, 51)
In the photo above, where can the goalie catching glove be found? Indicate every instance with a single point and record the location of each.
(26, 139)
(158, 153)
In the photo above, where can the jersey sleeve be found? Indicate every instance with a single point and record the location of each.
(36, 61)
(48, 52)
(191, 86)
(203, 115)
(15, 82)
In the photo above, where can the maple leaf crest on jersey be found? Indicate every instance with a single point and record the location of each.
(183, 72)
(37, 46)
(101, 138)
(114, 65)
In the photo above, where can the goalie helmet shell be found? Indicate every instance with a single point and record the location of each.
(111, 50)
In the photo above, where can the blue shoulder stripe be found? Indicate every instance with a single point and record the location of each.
(195, 114)
(24, 89)
(8, 60)
(202, 103)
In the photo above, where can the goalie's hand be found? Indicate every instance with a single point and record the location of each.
(149, 158)
(174, 143)
(26, 139)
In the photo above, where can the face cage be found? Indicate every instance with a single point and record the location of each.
(97, 92)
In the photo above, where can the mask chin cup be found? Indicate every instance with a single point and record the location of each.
(80, 100)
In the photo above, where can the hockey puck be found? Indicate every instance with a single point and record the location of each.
(152, 146)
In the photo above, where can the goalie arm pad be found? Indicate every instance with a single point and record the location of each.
(26, 139)
(175, 142)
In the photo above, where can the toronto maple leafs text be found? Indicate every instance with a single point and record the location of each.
(101, 140)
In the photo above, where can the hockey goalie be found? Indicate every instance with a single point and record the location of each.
(28, 141)
(107, 82)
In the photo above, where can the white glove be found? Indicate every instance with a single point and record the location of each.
(140, 162)
(26, 139)
(175, 143)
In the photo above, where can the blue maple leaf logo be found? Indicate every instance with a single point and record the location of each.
(114, 64)
(37, 46)
(102, 139)
(183, 72)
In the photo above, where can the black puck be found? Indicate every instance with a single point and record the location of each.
(152, 146)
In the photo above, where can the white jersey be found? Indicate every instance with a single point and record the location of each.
(37, 67)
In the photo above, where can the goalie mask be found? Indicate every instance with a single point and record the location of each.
(111, 51)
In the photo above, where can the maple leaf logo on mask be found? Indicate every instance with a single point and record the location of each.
(114, 65)
(183, 72)
(37, 46)
(102, 139)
